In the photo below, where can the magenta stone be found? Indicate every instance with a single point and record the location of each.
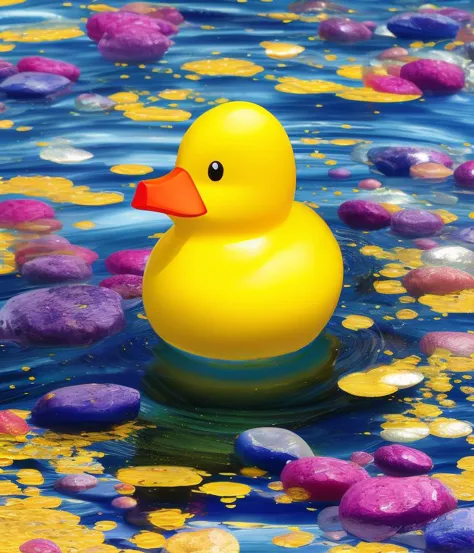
(425, 243)
(416, 223)
(362, 458)
(13, 212)
(32, 250)
(369, 184)
(128, 286)
(464, 175)
(152, 9)
(56, 268)
(434, 76)
(323, 478)
(342, 29)
(339, 173)
(124, 503)
(393, 53)
(392, 85)
(364, 215)
(458, 343)
(437, 280)
(75, 483)
(378, 508)
(401, 460)
(131, 262)
(7, 69)
(114, 23)
(461, 16)
(371, 25)
(40, 226)
(39, 545)
(41, 64)
(135, 44)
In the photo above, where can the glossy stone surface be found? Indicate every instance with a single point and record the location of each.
(416, 223)
(364, 215)
(423, 26)
(458, 343)
(401, 460)
(341, 29)
(34, 85)
(457, 257)
(395, 161)
(436, 280)
(41, 64)
(436, 76)
(452, 532)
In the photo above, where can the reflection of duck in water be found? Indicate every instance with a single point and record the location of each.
(245, 272)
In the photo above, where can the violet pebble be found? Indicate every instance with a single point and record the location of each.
(73, 315)
(343, 29)
(339, 173)
(458, 343)
(362, 458)
(434, 76)
(464, 175)
(378, 508)
(134, 44)
(39, 545)
(56, 268)
(40, 64)
(395, 161)
(33, 249)
(437, 280)
(320, 478)
(401, 460)
(369, 184)
(466, 235)
(421, 26)
(93, 103)
(392, 85)
(75, 483)
(364, 215)
(131, 262)
(461, 16)
(87, 405)
(416, 223)
(7, 69)
(128, 286)
(452, 533)
(124, 503)
(34, 85)
(425, 243)
(13, 212)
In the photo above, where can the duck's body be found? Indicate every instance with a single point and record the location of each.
(245, 272)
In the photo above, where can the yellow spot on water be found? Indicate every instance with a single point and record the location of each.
(168, 519)
(30, 477)
(160, 476)
(389, 287)
(7, 47)
(293, 539)
(124, 97)
(351, 72)
(225, 489)
(447, 216)
(461, 302)
(365, 385)
(84, 225)
(175, 94)
(10, 2)
(154, 113)
(404, 430)
(406, 314)
(223, 66)
(101, 8)
(364, 547)
(345, 141)
(105, 525)
(370, 95)
(23, 129)
(131, 169)
(292, 85)
(41, 35)
(6, 124)
(462, 485)
(148, 540)
(252, 472)
(281, 50)
(276, 486)
(357, 322)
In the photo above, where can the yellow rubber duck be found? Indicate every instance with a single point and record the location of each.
(245, 272)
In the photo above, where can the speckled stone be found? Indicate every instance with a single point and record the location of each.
(369, 184)
(364, 215)
(74, 315)
(154, 10)
(39, 545)
(437, 280)
(401, 460)
(114, 23)
(93, 103)
(75, 483)
(128, 286)
(362, 458)
(13, 212)
(392, 85)
(134, 44)
(458, 343)
(56, 268)
(464, 174)
(124, 503)
(34, 85)
(343, 29)
(87, 404)
(130, 262)
(436, 76)
(40, 64)
(12, 424)
(393, 53)
(416, 223)
(452, 532)
(425, 243)
(52, 245)
(320, 478)
(423, 26)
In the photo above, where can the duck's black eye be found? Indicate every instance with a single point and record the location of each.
(215, 171)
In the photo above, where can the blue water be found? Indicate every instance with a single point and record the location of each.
(336, 425)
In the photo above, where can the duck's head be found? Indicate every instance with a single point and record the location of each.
(235, 170)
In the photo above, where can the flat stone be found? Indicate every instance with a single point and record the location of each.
(362, 458)
(416, 223)
(56, 268)
(436, 76)
(114, 23)
(401, 460)
(134, 45)
(423, 26)
(364, 215)
(343, 29)
(13, 425)
(13, 212)
(94, 103)
(132, 262)
(458, 343)
(452, 533)
(34, 85)
(430, 171)
(437, 280)
(75, 483)
(39, 545)
(392, 85)
(128, 286)
(41, 64)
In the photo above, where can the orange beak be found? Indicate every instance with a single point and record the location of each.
(174, 194)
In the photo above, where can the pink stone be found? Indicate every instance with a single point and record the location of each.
(40, 226)
(131, 262)
(392, 85)
(425, 243)
(124, 503)
(33, 249)
(75, 483)
(13, 212)
(362, 458)
(41, 64)
(434, 76)
(13, 425)
(392, 53)
(401, 460)
(128, 286)
(343, 29)
(39, 545)
(114, 23)
(134, 44)
(437, 280)
(369, 184)
(458, 343)
(371, 25)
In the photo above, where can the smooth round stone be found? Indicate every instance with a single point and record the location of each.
(73, 315)
(425, 243)
(392, 85)
(401, 460)
(128, 286)
(362, 458)
(75, 483)
(369, 184)
(395, 161)
(210, 540)
(430, 171)
(7, 69)
(423, 26)
(340, 173)
(364, 215)
(437, 76)
(437, 280)
(34, 250)
(40, 226)
(34, 85)
(131, 262)
(464, 174)
(452, 533)
(458, 343)
(270, 448)
(416, 223)
(13, 212)
(124, 503)
(457, 257)
(466, 235)
(39, 545)
(378, 508)
(93, 103)
(114, 23)
(320, 478)
(328, 520)
(40, 64)
(56, 268)
(393, 53)
(155, 10)
(461, 16)
(87, 404)
(342, 29)
(13, 425)
(133, 45)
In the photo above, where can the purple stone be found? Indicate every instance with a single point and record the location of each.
(452, 532)
(75, 483)
(343, 29)
(40, 64)
(34, 85)
(458, 343)
(75, 315)
(425, 243)
(128, 286)
(362, 458)
(467, 235)
(133, 45)
(56, 268)
(378, 508)
(7, 69)
(464, 175)
(436, 76)
(13, 212)
(87, 405)
(423, 26)
(395, 161)
(401, 460)
(416, 223)
(131, 262)
(364, 215)
(115, 23)
(339, 173)
(461, 16)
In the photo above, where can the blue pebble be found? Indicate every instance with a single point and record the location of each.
(423, 26)
(33, 85)
(452, 532)
(270, 448)
(395, 161)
